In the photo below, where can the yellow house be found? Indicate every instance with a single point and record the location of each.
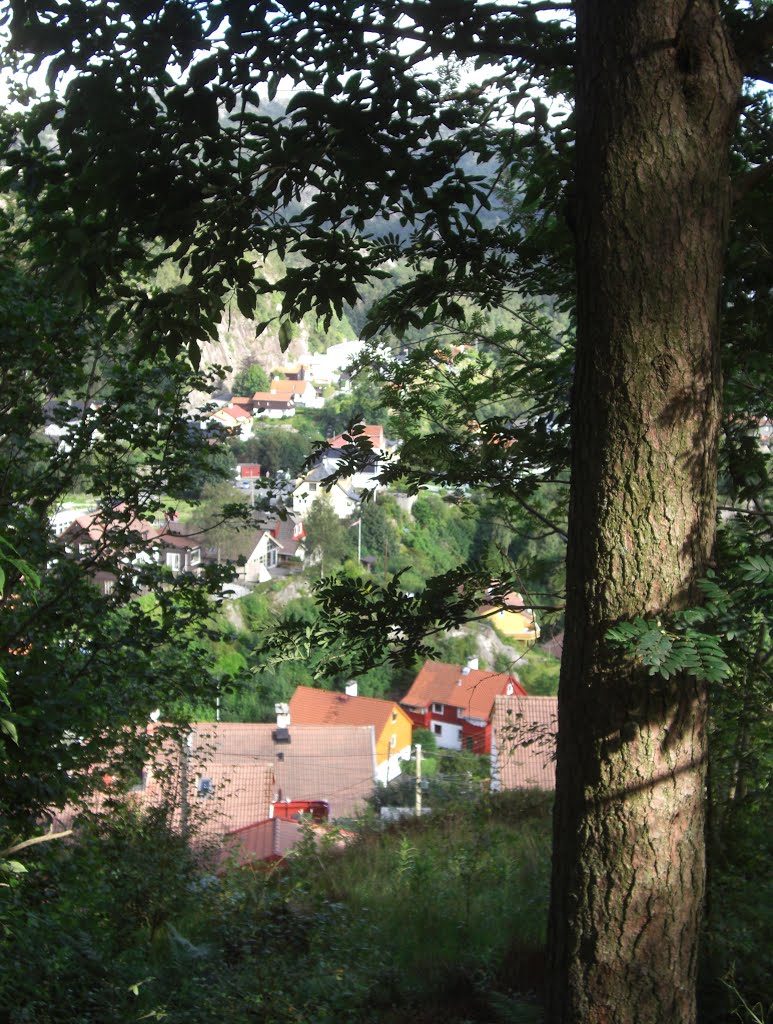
(514, 620)
(392, 727)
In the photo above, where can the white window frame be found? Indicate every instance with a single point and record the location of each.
(438, 709)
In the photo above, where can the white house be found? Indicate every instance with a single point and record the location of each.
(263, 557)
(303, 392)
(341, 495)
(236, 419)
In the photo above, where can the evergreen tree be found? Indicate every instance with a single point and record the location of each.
(250, 379)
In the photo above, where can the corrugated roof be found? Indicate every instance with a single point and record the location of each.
(321, 762)
(525, 742)
(264, 839)
(472, 690)
(325, 707)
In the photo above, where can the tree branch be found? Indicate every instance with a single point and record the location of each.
(47, 837)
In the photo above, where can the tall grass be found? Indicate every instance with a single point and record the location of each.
(451, 901)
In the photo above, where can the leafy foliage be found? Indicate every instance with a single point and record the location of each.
(164, 152)
(250, 379)
(668, 653)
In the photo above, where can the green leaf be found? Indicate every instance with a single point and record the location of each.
(285, 335)
(9, 729)
(758, 570)
(13, 867)
(245, 300)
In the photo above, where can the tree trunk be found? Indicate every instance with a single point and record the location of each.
(657, 90)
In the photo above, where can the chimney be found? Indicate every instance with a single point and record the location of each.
(472, 663)
(351, 688)
(282, 715)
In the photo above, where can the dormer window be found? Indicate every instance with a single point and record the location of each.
(438, 709)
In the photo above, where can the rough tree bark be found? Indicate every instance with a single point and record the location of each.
(658, 86)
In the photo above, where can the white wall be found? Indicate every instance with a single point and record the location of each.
(449, 737)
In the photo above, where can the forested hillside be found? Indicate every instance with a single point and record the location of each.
(552, 226)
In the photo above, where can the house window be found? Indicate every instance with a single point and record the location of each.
(312, 487)
(469, 743)
(460, 712)
(204, 787)
(173, 560)
(394, 716)
(393, 741)
(438, 728)
(108, 587)
(438, 709)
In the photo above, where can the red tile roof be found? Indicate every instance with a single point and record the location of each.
(290, 387)
(323, 707)
(524, 744)
(236, 412)
(234, 795)
(374, 432)
(472, 690)
(321, 762)
(248, 770)
(98, 525)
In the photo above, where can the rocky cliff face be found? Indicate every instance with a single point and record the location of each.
(237, 346)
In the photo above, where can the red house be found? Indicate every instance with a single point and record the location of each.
(456, 703)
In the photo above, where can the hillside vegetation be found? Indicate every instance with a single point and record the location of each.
(435, 920)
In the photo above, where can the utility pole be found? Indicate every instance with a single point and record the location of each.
(184, 784)
(418, 780)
